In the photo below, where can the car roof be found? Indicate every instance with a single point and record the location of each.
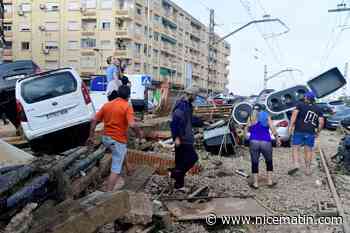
(45, 73)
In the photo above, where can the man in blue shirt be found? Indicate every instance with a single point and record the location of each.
(181, 130)
(112, 69)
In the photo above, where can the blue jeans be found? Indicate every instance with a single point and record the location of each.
(304, 139)
(118, 153)
(257, 148)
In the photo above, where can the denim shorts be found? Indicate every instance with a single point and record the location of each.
(118, 153)
(304, 139)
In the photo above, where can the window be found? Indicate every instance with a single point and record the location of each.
(26, 7)
(156, 36)
(156, 18)
(51, 45)
(138, 9)
(73, 45)
(51, 26)
(73, 6)
(88, 24)
(8, 8)
(51, 65)
(88, 62)
(24, 27)
(73, 26)
(88, 43)
(106, 4)
(7, 27)
(122, 4)
(88, 4)
(137, 48)
(106, 44)
(25, 45)
(106, 25)
(52, 6)
(138, 29)
(47, 87)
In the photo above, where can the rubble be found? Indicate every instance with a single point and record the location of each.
(141, 210)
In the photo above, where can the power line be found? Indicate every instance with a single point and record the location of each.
(261, 33)
(335, 42)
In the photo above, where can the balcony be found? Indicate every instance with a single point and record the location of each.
(123, 53)
(88, 13)
(170, 32)
(8, 33)
(124, 32)
(87, 52)
(141, 2)
(88, 32)
(8, 16)
(196, 33)
(124, 13)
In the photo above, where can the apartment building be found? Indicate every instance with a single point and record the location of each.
(83, 33)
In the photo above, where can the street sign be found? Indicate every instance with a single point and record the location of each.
(146, 81)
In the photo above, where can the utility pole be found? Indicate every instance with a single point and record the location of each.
(346, 77)
(2, 36)
(210, 47)
(265, 77)
(148, 66)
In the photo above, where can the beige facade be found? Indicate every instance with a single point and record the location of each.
(83, 33)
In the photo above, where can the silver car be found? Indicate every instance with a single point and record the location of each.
(281, 123)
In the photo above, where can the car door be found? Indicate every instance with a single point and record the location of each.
(52, 101)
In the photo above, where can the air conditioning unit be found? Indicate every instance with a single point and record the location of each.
(46, 51)
(20, 13)
(42, 6)
(42, 28)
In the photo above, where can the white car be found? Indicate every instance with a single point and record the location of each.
(54, 109)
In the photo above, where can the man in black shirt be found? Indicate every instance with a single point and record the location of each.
(306, 124)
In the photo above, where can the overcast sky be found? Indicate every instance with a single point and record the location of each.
(315, 43)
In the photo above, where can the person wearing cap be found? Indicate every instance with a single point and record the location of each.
(182, 134)
(117, 116)
(260, 142)
(306, 123)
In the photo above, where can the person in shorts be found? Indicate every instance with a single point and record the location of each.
(306, 123)
(117, 116)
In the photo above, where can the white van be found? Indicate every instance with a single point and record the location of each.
(55, 108)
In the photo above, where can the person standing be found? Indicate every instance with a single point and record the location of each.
(306, 124)
(260, 142)
(117, 116)
(112, 71)
(181, 130)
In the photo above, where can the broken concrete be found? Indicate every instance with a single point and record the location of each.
(141, 209)
(138, 179)
(10, 155)
(183, 210)
(86, 215)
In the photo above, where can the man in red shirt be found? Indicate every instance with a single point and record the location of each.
(117, 116)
